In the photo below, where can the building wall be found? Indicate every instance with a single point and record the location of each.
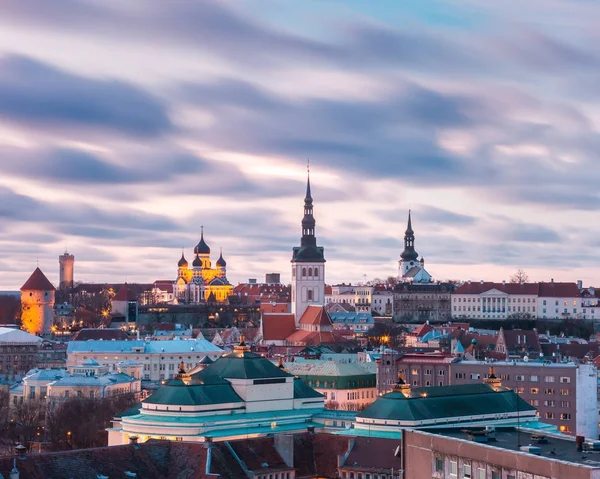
(422, 449)
(586, 390)
(17, 358)
(422, 301)
(38, 311)
(307, 289)
(155, 367)
(66, 264)
(355, 399)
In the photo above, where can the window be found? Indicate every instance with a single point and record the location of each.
(428, 372)
(475, 376)
(309, 294)
(467, 471)
(565, 392)
(549, 379)
(565, 416)
(535, 402)
(91, 394)
(439, 464)
(495, 474)
(534, 379)
(480, 473)
(453, 468)
(505, 377)
(549, 415)
(520, 390)
(520, 377)
(32, 392)
(566, 404)
(460, 375)
(415, 372)
(549, 403)
(441, 373)
(534, 391)
(565, 380)
(548, 390)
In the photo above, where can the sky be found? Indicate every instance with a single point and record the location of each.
(126, 126)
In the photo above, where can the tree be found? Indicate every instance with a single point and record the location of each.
(520, 276)
(28, 417)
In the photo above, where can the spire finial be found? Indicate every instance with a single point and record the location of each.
(201, 230)
(308, 195)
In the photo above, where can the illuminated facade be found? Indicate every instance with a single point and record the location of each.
(201, 282)
(37, 300)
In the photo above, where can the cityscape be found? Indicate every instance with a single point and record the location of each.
(309, 240)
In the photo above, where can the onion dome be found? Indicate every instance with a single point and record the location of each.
(221, 262)
(197, 263)
(202, 247)
(182, 262)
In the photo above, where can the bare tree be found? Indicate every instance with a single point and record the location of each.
(520, 276)
(28, 417)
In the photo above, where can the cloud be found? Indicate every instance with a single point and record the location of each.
(36, 94)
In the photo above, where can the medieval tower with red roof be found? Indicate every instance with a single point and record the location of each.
(37, 302)
(308, 264)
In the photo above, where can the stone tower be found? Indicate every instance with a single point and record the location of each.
(37, 302)
(308, 264)
(66, 263)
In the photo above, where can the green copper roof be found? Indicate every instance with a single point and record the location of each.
(445, 402)
(176, 393)
(239, 365)
(304, 391)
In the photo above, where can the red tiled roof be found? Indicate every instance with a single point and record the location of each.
(559, 290)
(374, 453)
(316, 337)
(105, 334)
(508, 288)
(257, 452)
(421, 330)
(516, 338)
(315, 455)
(38, 282)
(164, 285)
(316, 316)
(274, 307)
(264, 292)
(277, 327)
(125, 294)
(570, 350)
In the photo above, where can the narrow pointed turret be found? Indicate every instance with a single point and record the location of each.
(409, 253)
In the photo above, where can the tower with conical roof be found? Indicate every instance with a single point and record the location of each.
(308, 264)
(37, 300)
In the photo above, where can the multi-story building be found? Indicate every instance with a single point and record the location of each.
(383, 302)
(423, 301)
(345, 386)
(18, 351)
(160, 359)
(360, 297)
(488, 300)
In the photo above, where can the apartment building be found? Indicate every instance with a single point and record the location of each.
(564, 394)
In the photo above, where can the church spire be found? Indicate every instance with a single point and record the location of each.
(409, 253)
(308, 221)
(409, 229)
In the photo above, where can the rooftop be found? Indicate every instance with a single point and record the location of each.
(177, 346)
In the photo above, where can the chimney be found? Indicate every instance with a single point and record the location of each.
(552, 280)
(208, 442)
(503, 282)
(579, 443)
(284, 445)
(133, 440)
(579, 284)
(311, 429)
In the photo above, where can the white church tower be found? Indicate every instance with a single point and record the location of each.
(308, 264)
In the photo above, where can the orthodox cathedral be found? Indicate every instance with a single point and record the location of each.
(201, 282)
(412, 269)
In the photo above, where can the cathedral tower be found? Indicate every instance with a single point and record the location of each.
(409, 257)
(308, 264)
(37, 300)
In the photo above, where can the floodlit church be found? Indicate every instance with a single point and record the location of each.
(412, 269)
(201, 282)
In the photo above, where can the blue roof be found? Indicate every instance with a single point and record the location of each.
(351, 318)
(177, 346)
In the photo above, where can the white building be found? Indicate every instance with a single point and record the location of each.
(308, 265)
(383, 302)
(360, 297)
(490, 300)
(160, 359)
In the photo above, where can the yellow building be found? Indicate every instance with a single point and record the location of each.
(201, 282)
(37, 300)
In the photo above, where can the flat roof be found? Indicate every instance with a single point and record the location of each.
(557, 448)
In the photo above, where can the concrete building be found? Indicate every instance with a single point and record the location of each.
(66, 264)
(423, 301)
(18, 351)
(160, 359)
(345, 386)
(383, 302)
(37, 301)
(308, 264)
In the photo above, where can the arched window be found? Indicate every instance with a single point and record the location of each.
(304, 272)
(309, 271)
(316, 273)
(310, 295)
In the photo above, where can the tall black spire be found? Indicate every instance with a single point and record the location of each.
(308, 221)
(409, 253)
(308, 250)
